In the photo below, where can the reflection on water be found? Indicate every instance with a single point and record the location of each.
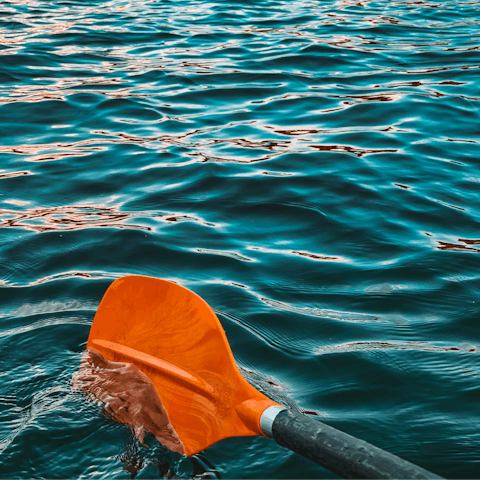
(67, 218)
(128, 396)
(370, 346)
(464, 245)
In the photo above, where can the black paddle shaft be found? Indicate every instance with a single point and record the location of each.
(340, 453)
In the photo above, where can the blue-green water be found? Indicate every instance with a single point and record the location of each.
(312, 169)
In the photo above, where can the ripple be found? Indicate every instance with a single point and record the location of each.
(65, 218)
(317, 312)
(224, 253)
(315, 256)
(311, 167)
(72, 150)
(91, 275)
(15, 174)
(42, 402)
(48, 307)
(414, 346)
(307, 255)
(47, 322)
(466, 245)
(359, 152)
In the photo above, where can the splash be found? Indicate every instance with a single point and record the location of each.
(128, 396)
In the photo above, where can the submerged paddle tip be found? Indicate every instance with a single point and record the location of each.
(128, 396)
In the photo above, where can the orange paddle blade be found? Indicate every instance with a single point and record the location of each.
(174, 337)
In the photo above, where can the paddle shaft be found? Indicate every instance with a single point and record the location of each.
(339, 452)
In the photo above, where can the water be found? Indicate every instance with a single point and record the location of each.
(310, 168)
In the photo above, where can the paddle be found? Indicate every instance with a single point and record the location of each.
(174, 337)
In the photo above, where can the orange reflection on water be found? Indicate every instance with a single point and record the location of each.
(67, 218)
(465, 245)
(314, 256)
(66, 87)
(359, 152)
(77, 149)
(16, 202)
(15, 174)
(405, 187)
(76, 217)
(31, 34)
(213, 159)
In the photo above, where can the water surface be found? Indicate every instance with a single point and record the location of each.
(310, 168)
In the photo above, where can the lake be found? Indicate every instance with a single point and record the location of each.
(311, 169)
